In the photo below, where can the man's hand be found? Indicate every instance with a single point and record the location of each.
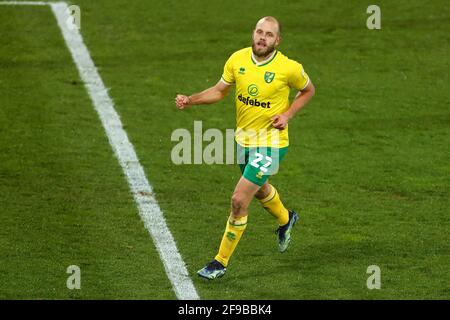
(208, 96)
(182, 101)
(280, 121)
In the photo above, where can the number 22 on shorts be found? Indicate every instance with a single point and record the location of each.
(259, 157)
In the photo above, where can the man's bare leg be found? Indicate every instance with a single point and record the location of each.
(237, 222)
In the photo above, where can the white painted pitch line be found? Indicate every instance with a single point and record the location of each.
(149, 209)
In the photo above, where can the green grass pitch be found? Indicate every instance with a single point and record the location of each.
(368, 167)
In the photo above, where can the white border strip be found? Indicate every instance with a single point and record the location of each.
(24, 3)
(149, 209)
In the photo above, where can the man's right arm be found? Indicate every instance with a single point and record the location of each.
(208, 96)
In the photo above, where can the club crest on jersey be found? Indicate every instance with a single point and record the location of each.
(269, 76)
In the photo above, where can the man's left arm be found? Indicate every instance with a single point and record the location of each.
(280, 121)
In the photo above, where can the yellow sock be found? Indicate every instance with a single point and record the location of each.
(233, 232)
(272, 203)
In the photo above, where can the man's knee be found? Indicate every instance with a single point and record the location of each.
(238, 201)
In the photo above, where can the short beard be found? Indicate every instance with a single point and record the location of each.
(264, 54)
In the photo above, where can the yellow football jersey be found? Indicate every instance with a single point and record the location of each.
(262, 91)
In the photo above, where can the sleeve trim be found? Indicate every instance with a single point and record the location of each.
(226, 82)
(307, 82)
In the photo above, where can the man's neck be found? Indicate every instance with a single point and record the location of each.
(261, 60)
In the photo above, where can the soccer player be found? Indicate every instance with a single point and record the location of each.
(263, 77)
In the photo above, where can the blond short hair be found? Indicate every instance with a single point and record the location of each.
(271, 19)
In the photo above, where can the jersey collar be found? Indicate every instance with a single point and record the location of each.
(267, 61)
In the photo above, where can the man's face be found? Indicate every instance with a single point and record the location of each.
(265, 38)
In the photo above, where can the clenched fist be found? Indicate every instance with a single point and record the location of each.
(181, 101)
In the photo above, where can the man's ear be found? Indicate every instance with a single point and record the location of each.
(278, 41)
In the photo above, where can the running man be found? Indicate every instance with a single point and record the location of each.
(263, 77)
